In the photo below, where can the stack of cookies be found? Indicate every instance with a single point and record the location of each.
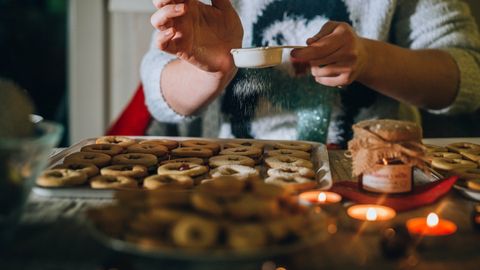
(115, 162)
(461, 158)
(225, 213)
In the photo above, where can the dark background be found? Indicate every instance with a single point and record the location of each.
(33, 53)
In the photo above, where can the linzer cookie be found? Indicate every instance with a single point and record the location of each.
(200, 152)
(159, 163)
(109, 149)
(448, 155)
(118, 140)
(215, 147)
(463, 146)
(234, 144)
(218, 218)
(189, 169)
(473, 155)
(460, 159)
(218, 161)
(300, 146)
(248, 151)
(170, 144)
(289, 152)
(430, 148)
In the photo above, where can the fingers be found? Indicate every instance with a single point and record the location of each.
(335, 55)
(329, 70)
(164, 40)
(334, 75)
(335, 81)
(327, 29)
(161, 3)
(322, 47)
(328, 60)
(162, 18)
(332, 37)
(222, 4)
(319, 50)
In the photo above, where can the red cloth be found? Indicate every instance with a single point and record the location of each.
(134, 119)
(422, 195)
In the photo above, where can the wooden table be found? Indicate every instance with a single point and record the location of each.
(52, 235)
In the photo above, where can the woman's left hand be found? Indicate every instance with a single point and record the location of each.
(337, 56)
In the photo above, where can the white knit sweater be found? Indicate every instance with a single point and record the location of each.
(415, 24)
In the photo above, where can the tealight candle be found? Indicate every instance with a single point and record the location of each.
(431, 226)
(320, 197)
(326, 200)
(370, 217)
(431, 232)
(371, 212)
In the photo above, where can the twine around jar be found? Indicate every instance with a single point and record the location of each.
(368, 148)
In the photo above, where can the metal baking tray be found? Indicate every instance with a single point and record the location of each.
(460, 186)
(319, 158)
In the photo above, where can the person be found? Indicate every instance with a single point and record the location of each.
(363, 59)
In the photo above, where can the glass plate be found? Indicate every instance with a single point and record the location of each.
(211, 255)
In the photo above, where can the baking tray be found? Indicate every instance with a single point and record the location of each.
(319, 158)
(459, 185)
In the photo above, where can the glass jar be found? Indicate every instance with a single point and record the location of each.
(388, 176)
(21, 160)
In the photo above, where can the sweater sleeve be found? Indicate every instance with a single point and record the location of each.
(150, 71)
(449, 26)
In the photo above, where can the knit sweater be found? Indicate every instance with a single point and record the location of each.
(415, 24)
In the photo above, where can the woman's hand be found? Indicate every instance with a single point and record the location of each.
(337, 56)
(200, 34)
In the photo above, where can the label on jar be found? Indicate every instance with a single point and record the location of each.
(389, 179)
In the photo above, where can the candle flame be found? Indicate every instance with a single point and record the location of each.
(385, 161)
(322, 197)
(371, 214)
(432, 220)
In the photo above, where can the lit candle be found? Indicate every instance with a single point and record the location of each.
(322, 197)
(369, 217)
(325, 200)
(319, 197)
(431, 226)
(370, 212)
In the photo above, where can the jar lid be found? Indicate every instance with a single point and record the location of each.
(392, 130)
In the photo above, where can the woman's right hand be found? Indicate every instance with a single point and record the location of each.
(200, 34)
